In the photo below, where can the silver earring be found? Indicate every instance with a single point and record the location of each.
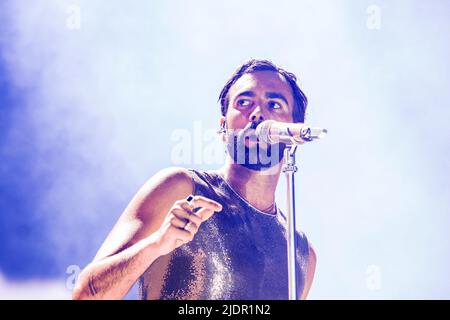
(222, 129)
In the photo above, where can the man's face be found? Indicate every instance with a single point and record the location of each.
(256, 97)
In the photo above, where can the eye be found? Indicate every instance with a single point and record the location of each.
(244, 102)
(274, 105)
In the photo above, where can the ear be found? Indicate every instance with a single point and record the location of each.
(223, 124)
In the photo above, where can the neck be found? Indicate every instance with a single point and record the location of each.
(257, 187)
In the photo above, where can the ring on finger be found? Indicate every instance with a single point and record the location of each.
(190, 202)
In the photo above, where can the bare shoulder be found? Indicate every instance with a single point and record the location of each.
(312, 260)
(172, 178)
(146, 211)
(162, 190)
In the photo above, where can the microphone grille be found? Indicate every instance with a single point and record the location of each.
(263, 131)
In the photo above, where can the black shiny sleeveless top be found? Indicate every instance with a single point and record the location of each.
(239, 253)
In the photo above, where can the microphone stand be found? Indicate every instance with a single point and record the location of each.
(289, 170)
(276, 132)
(307, 134)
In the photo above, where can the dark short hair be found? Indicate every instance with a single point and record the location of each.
(300, 100)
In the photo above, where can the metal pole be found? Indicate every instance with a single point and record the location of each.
(291, 135)
(289, 170)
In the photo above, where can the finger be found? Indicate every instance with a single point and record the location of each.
(182, 234)
(193, 218)
(200, 201)
(205, 214)
(180, 212)
(177, 222)
(185, 216)
(185, 206)
(191, 227)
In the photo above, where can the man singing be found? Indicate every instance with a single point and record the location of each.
(218, 234)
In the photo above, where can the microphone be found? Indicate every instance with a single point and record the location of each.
(271, 131)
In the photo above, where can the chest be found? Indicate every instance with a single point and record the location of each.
(241, 260)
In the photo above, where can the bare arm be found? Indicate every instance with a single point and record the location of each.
(113, 276)
(144, 232)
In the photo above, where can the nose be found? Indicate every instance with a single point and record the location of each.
(256, 116)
